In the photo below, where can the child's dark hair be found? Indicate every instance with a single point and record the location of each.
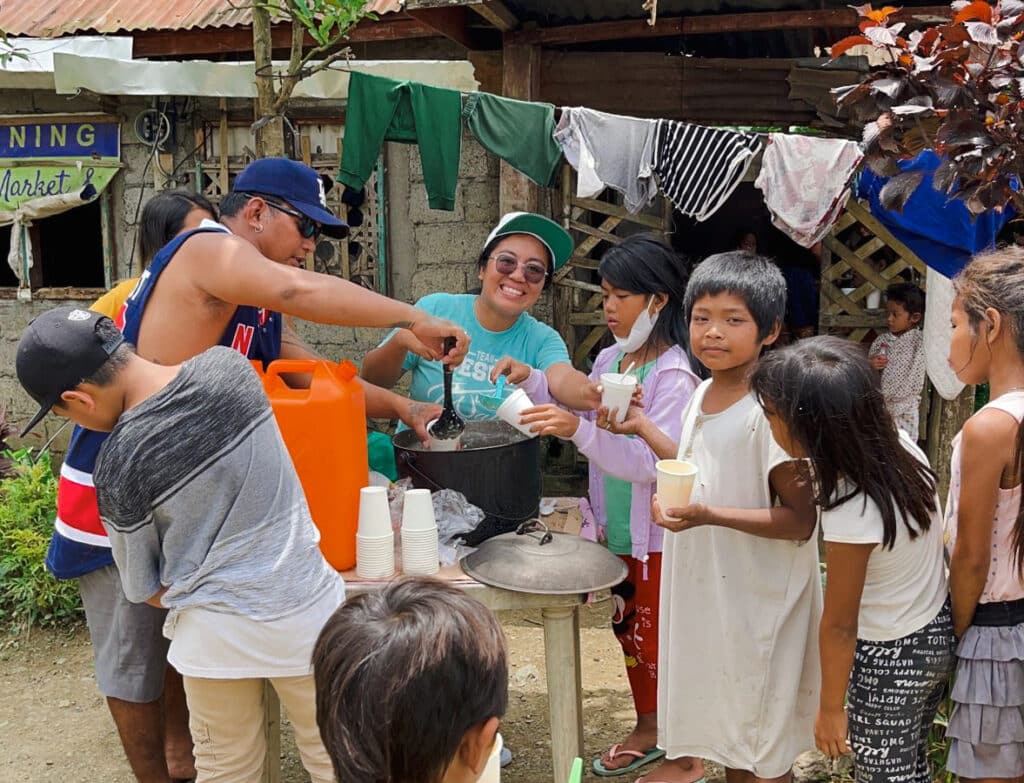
(824, 390)
(163, 218)
(908, 295)
(401, 675)
(996, 280)
(643, 264)
(753, 278)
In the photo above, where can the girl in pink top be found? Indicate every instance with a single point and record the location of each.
(985, 523)
(642, 284)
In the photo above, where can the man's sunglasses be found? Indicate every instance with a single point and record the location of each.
(308, 227)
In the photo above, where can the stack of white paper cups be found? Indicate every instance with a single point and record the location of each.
(419, 534)
(375, 540)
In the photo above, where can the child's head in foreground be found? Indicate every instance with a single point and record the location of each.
(904, 306)
(70, 360)
(411, 685)
(734, 304)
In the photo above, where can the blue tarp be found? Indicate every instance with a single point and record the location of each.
(940, 230)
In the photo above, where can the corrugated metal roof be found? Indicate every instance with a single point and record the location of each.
(570, 11)
(56, 18)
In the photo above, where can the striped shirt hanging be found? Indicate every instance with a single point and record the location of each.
(698, 167)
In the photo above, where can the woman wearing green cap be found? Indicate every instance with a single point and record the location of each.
(516, 265)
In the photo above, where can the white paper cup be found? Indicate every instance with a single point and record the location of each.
(492, 772)
(375, 558)
(675, 483)
(449, 444)
(511, 409)
(873, 300)
(418, 511)
(374, 513)
(616, 392)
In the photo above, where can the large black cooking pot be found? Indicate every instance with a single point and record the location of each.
(497, 469)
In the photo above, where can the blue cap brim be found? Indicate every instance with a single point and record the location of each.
(332, 226)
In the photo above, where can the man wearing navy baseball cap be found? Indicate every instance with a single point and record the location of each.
(228, 284)
(296, 184)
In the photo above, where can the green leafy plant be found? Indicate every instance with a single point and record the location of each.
(29, 594)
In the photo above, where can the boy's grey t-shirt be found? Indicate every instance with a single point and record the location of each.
(199, 495)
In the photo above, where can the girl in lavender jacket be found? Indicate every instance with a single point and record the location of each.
(642, 283)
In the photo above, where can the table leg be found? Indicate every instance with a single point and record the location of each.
(272, 729)
(562, 660)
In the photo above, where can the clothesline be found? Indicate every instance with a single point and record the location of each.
(805, 179)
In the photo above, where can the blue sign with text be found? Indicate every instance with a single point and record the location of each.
(60, 140)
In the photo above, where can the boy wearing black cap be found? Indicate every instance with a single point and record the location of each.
(225, 283)
(206, 517)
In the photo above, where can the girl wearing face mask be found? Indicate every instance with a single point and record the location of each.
(642, 283)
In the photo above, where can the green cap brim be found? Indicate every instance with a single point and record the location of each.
(552, 235)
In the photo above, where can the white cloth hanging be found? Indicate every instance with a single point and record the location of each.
(805, 181)
(938, 333)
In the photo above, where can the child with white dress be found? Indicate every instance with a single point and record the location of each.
(886, 637)
(740, 591)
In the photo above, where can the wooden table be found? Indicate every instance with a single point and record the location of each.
(560, 614)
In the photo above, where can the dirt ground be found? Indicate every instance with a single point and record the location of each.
(54, 725)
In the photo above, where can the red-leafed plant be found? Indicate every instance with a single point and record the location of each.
(957, 88)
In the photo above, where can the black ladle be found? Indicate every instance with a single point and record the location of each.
(449, 424)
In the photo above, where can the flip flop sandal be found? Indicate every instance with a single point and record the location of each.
(641, 759)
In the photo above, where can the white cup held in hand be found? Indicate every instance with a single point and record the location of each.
(675, 483)
(616, 393)
(374, 513)
(511, 409)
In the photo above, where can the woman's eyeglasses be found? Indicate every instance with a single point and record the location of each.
(308, 227)
(533, 272)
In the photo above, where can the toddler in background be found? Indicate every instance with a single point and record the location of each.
(899, 355)
(411, 685)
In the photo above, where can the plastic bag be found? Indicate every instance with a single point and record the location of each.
(455, 517)
(454, 514)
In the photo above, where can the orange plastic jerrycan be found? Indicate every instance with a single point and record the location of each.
(324, 428)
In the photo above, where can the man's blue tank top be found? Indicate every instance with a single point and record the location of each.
(254, 332)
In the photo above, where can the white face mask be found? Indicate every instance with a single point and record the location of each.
(641, 330)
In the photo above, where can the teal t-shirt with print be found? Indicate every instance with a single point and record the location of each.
(618, 494)
(527, 340)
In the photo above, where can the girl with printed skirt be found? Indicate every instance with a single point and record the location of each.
(886, 633)
(642, 284)
(985, 522)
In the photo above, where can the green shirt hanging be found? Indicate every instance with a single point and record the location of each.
(518, 132)
(382, 110)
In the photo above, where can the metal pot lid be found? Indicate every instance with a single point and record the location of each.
(535, 560)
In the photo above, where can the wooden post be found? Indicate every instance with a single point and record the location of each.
(946, 420)
(521, 80)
